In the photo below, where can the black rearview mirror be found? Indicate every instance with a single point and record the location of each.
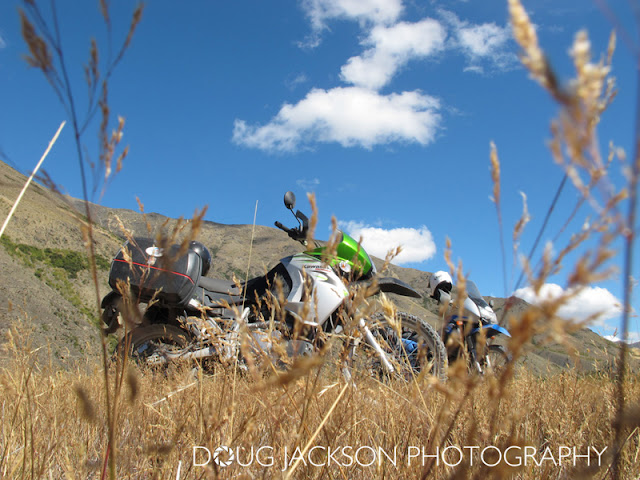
(289, 200)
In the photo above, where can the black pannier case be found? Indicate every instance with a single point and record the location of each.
(152, 270)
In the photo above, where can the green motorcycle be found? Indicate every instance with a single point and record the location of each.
(191, 316)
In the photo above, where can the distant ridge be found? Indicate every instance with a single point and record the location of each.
(56, 301)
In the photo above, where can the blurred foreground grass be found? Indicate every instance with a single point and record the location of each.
(170, 424)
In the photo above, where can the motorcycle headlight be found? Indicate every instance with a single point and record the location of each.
(488, 315)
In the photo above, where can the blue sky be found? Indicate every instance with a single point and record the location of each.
(384, 108)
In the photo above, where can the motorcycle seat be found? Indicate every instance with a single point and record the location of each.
(219, 286)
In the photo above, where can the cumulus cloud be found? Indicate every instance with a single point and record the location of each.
(589, 301)
(633, 337)
(390, 49)
(417, 243)
(364, 11)
(357, 114)
(350, 116)
(482, 40)
(2, 42)
(482, 44)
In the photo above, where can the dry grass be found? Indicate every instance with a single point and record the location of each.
(53, 424)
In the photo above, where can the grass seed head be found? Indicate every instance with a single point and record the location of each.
(86, 406)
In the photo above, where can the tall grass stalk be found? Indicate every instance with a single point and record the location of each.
(33, 174)
(629, 238)
(44, 40)
(246, 279)
(582, 105)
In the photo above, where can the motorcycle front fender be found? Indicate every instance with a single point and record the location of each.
(491, 330)
(388, 285)
(393, 285)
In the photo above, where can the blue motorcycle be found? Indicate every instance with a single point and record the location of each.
(471, 334)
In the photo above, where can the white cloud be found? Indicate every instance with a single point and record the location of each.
(482, 40)
(308, 185)
(293, 81)
(417, 243)
(391, 48)
(589, 301)
(633, 337)
(485, 43)
(350, 116)
(357, 115)
(474, 69)
(2, 42)
(364, 11)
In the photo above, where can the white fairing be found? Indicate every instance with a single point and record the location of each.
(328, 290)
(471, 307)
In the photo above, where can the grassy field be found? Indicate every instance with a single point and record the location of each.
(170, 424)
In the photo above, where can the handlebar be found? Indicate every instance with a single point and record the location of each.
(296, 234)
(282, 227)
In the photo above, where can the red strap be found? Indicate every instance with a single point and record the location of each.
(155, 268)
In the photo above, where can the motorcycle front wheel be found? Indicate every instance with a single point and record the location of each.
(412, 346)
(148, 345)
(495, 360)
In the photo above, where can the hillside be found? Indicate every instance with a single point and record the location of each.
(46, 285)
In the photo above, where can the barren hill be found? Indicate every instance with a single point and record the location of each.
(45, 284)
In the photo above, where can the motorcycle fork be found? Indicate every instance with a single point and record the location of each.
(473, 353)
(371, 340)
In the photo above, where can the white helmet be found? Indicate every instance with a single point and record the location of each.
(439, 281)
